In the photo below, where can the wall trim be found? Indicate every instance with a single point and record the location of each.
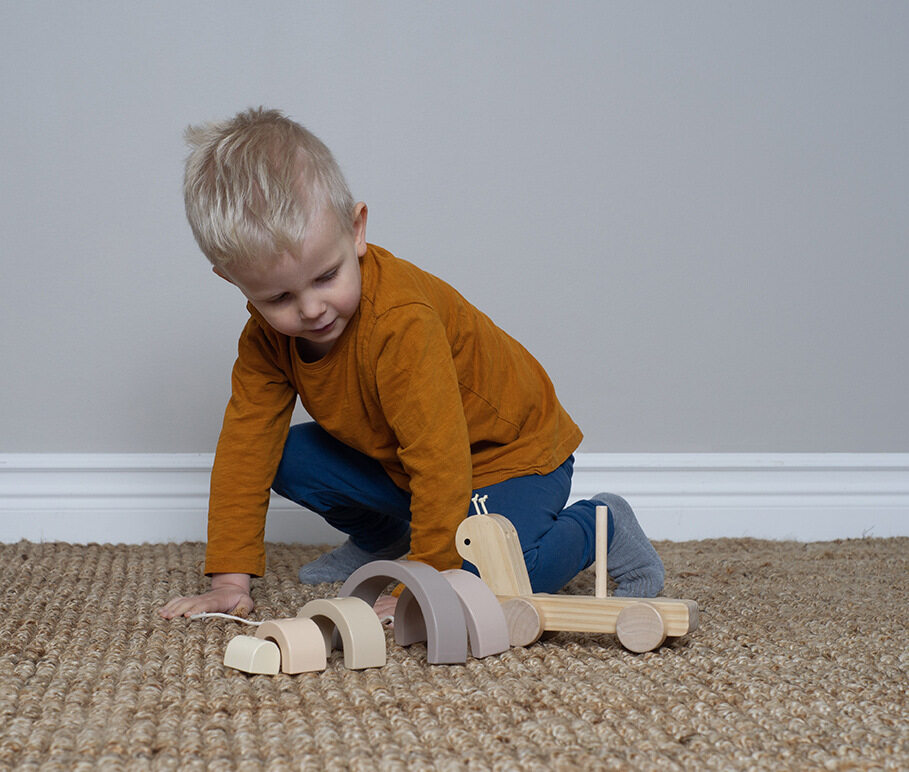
(134, 498)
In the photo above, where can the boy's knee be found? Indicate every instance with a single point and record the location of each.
(301, 439)
(615, 502)
(304, 437)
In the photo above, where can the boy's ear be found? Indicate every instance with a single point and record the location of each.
(219, 272)
(359, 227)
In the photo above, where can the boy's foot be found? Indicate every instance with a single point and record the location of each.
(631, 559)
(337, 565)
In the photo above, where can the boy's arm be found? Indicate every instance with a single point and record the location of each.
(420, 396)
(249, 449)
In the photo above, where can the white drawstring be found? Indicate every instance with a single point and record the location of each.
(386, 620)
(225, 616)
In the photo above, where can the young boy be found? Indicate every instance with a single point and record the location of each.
(419, 401)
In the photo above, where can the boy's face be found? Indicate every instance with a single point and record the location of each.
(313, 292)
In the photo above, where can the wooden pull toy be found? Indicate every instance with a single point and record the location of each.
(491, 543)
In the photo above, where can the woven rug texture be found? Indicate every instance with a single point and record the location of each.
(800, 663)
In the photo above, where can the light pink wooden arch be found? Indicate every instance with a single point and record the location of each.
(487, 628)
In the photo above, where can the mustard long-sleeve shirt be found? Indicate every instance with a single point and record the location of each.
(420, 380)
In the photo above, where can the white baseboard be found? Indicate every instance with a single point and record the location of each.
(799, 496)
(135, 498)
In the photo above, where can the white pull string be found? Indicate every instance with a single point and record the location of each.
(225, 616)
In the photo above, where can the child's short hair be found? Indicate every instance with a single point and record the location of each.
(253, 182)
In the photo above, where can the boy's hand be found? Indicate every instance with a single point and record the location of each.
(229, 594)
(385, 607)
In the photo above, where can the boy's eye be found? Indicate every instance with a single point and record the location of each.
(280, 298)
(328, 276)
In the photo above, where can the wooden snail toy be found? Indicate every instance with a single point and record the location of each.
(491, 543)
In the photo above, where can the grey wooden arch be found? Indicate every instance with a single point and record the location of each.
(446, 628)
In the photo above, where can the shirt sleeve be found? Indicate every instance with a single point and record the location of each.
(420, 396)
(249, 450)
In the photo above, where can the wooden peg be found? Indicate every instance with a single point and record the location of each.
(602, 531)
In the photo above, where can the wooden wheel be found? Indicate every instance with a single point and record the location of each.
(640, 628)
(525, 626)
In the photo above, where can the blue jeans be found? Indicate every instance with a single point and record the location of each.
(353, 493)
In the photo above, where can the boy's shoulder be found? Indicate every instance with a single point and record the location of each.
(390, 282)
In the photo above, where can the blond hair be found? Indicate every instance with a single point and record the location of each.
(253, 182)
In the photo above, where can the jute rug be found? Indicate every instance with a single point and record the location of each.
(800, 663)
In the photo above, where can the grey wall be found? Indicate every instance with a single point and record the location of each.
(694, 214)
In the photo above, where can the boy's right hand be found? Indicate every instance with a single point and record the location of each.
(229, 594)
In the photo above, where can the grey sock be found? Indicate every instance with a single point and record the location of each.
(337, 565)
(631, 559)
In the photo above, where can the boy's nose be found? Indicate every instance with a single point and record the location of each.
(311, 308)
